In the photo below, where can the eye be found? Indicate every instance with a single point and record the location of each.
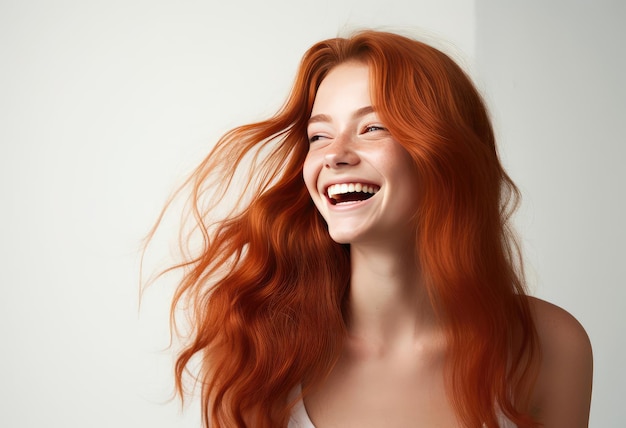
(314, 138)
(373, 128)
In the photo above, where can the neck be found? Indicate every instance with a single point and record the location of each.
(389, 306)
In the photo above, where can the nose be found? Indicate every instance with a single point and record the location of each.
(340, 153)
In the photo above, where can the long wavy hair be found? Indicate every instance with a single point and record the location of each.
(264, 287)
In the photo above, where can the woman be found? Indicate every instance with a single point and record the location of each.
(366, 275)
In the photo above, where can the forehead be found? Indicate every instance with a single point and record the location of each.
(345, 87)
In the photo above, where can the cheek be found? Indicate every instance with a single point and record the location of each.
(309, 174)
(404, 174)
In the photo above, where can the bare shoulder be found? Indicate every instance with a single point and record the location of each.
(563, 391)
(558, 330)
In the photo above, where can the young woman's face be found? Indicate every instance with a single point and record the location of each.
(362, 181)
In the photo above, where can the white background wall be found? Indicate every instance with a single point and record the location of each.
(104, 106)
(554, 75)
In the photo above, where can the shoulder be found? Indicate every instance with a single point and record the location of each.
(558, 330)
(563, 390)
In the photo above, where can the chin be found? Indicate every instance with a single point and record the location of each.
(342, 236)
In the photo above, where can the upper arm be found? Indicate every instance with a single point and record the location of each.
(562, 395)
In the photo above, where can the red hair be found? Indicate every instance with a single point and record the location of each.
(266, 288)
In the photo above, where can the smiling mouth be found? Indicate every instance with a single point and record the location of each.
(350, 192)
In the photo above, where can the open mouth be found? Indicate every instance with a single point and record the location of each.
(350, 192)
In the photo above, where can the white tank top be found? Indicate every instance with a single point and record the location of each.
(300, 418)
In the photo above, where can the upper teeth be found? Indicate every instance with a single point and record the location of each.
(337, 189)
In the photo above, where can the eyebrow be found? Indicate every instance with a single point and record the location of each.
(357, 114)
